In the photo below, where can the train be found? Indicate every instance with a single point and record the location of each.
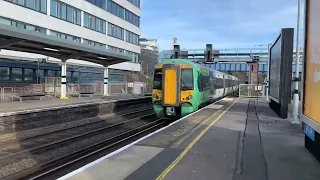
(181, 87)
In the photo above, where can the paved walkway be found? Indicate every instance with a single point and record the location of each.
(243, 141)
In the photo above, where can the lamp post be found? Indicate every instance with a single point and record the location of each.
(267, 90)
(296, 81)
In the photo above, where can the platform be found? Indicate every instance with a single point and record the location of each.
(234, 139)
(14, 106)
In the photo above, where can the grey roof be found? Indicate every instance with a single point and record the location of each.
(16, 39)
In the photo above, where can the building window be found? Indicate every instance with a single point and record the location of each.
(132, 18)
(29, 74)
(4, 73)
(135, 56)
(135, 3)
(99, 3)
(37, 5)
(65, 12)
(132, 37)
(94, 23)
(115, 31)
(16, 74)
(115, 9)
(21, 25)
(50, 73)
(65, 36)
(93, 43)
(116, 49)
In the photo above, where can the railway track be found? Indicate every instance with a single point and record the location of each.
(51, 151)
(50, 133)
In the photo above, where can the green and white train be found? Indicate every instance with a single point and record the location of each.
(181, 87)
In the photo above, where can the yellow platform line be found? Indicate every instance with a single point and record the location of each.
(205, 121)
(194, 141)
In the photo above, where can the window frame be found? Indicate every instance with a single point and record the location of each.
(58, 12)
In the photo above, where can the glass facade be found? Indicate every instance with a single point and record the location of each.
(135, 56)
(116, 49)
(65, 36)
(65, 12)
(37, 5)
(17, 74)
(99, 3)
(135, 3)
(94, 23)
(93, 43)
(115, 9)
(115, 31)
(29, 74)
(22, 25)
(132, 18)
(132, 38)
(4, 73)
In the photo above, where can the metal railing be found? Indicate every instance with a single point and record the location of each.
(51, 86)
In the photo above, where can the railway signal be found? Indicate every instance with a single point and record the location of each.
(176, 53)
(255, 58)
(208, 53)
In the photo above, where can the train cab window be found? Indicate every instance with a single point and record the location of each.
(157, 80)
(186, 79)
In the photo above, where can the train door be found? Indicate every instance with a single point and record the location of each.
(171, 85)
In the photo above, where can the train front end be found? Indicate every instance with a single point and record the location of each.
(173, 90)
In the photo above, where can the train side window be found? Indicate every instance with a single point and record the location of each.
(200, 82)
(157, 80)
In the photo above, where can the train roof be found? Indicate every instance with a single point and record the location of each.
(195, 65)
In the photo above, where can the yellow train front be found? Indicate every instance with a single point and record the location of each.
(181, 87)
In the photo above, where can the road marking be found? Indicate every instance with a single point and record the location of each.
(178, 159)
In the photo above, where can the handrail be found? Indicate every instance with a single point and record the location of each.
(1, 94)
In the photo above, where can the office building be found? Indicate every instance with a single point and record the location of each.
(109, 24)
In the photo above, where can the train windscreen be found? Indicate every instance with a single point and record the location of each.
(157, 80)
(186, 79)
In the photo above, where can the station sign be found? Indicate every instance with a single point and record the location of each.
(130, 85)
(258, 88)
(309, 132)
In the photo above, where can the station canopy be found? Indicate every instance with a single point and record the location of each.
(16, 39)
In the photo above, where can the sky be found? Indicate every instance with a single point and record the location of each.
(223, 23)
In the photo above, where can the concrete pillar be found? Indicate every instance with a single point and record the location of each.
(105, 82)
(48, 7)
(64, 80)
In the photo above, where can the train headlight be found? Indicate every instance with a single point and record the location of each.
(189, 98)
(156, 96)
(170, 111)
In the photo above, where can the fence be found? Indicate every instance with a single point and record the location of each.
(136, 87)
(11, 93)
(251, 90)
(51, 86)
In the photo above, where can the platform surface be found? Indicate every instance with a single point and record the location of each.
(235, 139)
(14, 106)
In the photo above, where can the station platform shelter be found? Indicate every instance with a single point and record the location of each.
(234, 138)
